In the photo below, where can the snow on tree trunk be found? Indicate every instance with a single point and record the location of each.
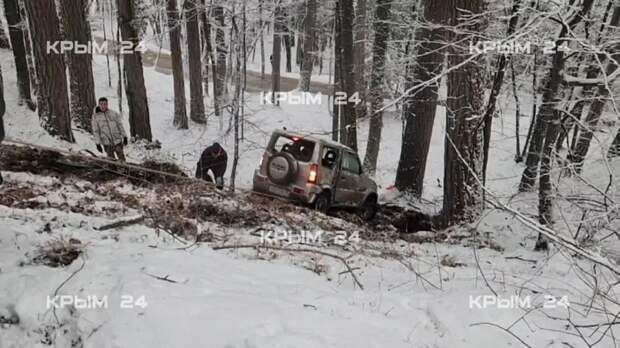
(197, 107)
(174, 30)
(81, 83)
(220, 47)
(52, 98)
(420, 105)
(463, 198)
(308, 43)
(382, 33)
(16, 34)
(139, 119)
(360, 27)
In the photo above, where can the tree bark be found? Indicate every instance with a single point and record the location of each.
(382, 33)
(308, 44)
(337, 108)
(359, 45)
(174, 30)
(420, 105)
(347, 74)
(81, 81)
(197, 107)
(16, 34)
(139, 119)
(463, 199)
(52, 98)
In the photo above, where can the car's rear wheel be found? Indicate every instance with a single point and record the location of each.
(323, 202)
(369, 208)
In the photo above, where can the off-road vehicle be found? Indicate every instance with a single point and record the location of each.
(315, 171)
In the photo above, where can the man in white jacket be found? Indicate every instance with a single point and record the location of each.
(109, 131)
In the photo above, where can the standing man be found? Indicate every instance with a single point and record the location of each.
(213, 158)
(109, 131)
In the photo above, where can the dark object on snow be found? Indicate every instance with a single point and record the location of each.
(215, 159)
(57, 253)
(2, 111)
(413, 221)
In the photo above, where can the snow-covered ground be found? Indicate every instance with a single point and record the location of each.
(415, 295)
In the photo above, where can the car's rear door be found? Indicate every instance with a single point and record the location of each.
(348, 191)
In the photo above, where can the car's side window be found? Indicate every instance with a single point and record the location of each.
(351, 163)
(329, 157)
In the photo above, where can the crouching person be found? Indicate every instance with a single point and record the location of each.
(215, 159)
(108, 130)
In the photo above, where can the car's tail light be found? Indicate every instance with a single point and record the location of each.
(314, 174)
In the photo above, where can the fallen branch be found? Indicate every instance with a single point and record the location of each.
(302, 250)
(120, 223)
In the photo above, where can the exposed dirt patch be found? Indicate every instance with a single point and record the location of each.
(58, 252)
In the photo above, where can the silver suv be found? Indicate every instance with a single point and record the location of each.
(315, 171)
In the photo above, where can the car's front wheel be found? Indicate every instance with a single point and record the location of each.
(323, 202)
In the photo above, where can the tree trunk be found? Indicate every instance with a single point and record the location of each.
(337, 107)
(287, 48)
(218, 87)
(462, 201)
(546, 112)
(308, 43)
(359, 45)
(139, 119)
(347, 75)
(178, 77)
(81, 82)
(52, 98)
(262, 39)
(420, 105)
(197, 107)
(16, 33)
(5, 42)
(382, 33)
(276, 52)
(614, 150)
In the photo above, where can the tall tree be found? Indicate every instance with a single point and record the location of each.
(308, 44)
(197, 107)
(337, 106)
(52, 97)
(278, 30)
(347, 74)
(462, 194)
(382, 32)
(220, 47)
(174, 30)
(551, 124)
(420, 104)
(547, 113)
(81, 83)
(16, 34)
(360, 34)
(139, 118)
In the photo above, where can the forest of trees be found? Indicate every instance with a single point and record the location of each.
(384, 55)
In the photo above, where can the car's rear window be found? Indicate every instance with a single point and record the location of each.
(300, 148)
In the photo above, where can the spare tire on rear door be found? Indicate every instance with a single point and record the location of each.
(282, 168)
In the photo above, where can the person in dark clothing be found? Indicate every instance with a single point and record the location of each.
(215, 159)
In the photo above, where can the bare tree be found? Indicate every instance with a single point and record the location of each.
(278, 24)
(174, 30)
(197, 107)
(382, 32)
(81, 83)
(360, 34)
(52, 97)
(16, 34)
(139, 119)
(420, 104)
